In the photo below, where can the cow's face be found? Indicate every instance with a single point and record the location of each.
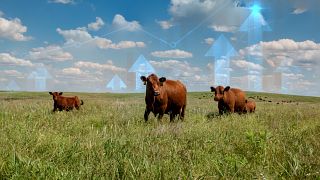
(153, 83)
(55, 95)
(218, 92)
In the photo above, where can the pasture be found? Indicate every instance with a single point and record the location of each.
(109, 139)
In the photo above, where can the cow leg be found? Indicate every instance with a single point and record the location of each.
(172, 116)
(55, 107)
(160, 116)
(146, 114)
(221, 111)
(181, 116)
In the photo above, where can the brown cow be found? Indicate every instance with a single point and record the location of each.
(250, 106)
(164, 97)
(229, 99)
(65, 103)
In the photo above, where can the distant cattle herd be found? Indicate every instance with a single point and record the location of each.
(170, 97)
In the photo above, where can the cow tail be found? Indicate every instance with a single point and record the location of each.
(82, 102)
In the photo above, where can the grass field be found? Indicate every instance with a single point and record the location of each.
(109, 139)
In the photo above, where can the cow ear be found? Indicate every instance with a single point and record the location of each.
(227, 88)
(163, 79)
(212, 89)
(144, 80)
(50, 93)
(60, 93)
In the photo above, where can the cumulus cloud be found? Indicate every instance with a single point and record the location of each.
(106, 44)
(13, 29)
(209, 41)
(12, 73)
(223, 28)
(286, 52)
(76, 77)
(165, 24)
(247, 65)
(62, 1)
(72, 71)
(176, 68)
(212, 11)
(192, 76)
(9, 60)
(210, 66)
(294, 61)
(55, 53)
(120, 22)
(81, 36)
(299, 10)
(172, 54)
(95, 26)
(100, 67)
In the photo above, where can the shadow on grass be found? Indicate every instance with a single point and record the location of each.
(213, 115)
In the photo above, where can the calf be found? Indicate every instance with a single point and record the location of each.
(164, 97)
(229, 99)
(65, 103)
(250, 106)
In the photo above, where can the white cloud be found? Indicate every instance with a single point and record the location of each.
(299, 10)
(176, 68)
(95, 26)
(209, 41)
(9, 60)
(55, 53)
(106, 44)
(165, 24)
(247, 65)
(13, 73)
(75, 77)
(233, 38)
(286, 52)
(3, 79)
(192, 76)
(120, 22)
(72, 71)
(100, 67)
(223, 28)
(172, 54)
(212, 11)
(81, 36)
(62, 1)
(75, 35)
(13, 29)
(183, 8)
(210, 66)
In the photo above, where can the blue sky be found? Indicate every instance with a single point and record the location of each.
(82, 44)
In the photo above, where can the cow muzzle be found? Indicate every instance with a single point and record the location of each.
(156, 93)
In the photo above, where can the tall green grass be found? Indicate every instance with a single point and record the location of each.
(109, 139)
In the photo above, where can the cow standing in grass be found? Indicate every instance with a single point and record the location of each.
(250, 106)
(164, 97)
(65, 103)
(229, 99)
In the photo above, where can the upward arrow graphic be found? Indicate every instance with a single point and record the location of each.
(13, 86)
(222, 50)
(255, 25)
(116, 84)
(40, 76)
(141, 67)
